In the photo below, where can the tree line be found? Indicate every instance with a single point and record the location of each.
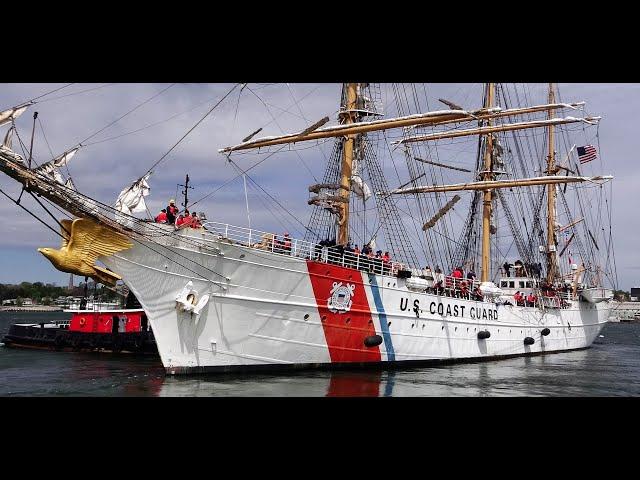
(46, 293)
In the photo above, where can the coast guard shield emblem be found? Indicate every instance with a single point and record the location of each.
(340, 299)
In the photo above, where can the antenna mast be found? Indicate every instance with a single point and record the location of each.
(185, 192)
(487, 175)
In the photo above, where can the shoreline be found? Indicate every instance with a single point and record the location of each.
(34, 308)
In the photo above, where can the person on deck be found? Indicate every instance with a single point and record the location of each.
(286, 243)
(184, 220)
(457, 277)
(195, 221)
(506, 267)
(438, 278)
(531, 300)
(464, 290)
(518, 298)
(162, 216)
(172, 211)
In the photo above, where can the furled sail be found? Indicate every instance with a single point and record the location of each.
(131, 199)
(11, 114)
(7, 145)
(8, 139)
(360, 187)
(50, 169)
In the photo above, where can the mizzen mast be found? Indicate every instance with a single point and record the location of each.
(487, 175)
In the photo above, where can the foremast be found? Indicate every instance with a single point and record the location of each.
(348, 116)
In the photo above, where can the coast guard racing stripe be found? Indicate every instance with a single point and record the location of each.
(344, 312)
(386, 335)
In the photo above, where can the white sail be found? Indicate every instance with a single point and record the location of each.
(50, 169)
(360, 187)
(8, 139)
(11, 114)
(6, 145)
(63, 159)
(131, 199)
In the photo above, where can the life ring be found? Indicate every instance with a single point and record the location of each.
(83, 321)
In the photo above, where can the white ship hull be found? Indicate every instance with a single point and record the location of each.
(279, 310)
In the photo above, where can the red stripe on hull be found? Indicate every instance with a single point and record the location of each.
(344, 331)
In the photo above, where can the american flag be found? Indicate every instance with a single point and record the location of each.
(587, 153)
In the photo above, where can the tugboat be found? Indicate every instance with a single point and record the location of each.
(92, 328)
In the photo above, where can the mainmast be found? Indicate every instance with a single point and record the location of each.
(348, 116)
(551, 201)
(487, 175)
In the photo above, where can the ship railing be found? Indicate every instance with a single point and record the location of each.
(278, 244)
(451, 286)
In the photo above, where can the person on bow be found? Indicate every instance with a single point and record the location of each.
(195, 221)
(162, 216)
(172, 211)
(184, 220)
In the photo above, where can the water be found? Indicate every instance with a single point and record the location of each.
(611, 367)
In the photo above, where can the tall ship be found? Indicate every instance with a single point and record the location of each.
(460, 233)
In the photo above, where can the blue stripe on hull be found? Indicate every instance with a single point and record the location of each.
(375, 291)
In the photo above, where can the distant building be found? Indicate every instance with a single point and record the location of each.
(9, 301)
(635, 294)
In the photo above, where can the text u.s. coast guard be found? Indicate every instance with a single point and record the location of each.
(448, 310)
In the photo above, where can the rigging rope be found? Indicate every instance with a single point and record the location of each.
(122, 116)
(32, 214)
(191, 129)
(76, 93)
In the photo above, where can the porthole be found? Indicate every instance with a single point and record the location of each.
(423, 325)
(442, 327)
(306, 317)
(242, 255)
(348, 320)
(394, 284)
(324, 317)
(467, 329)
(455, 329)
(370, 322)
(413, 325)
(389, 324)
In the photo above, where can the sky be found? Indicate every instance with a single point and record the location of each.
(105, 165)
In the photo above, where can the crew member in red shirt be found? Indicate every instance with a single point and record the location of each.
(162, 216)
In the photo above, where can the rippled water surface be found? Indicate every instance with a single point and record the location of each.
(611, 367)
